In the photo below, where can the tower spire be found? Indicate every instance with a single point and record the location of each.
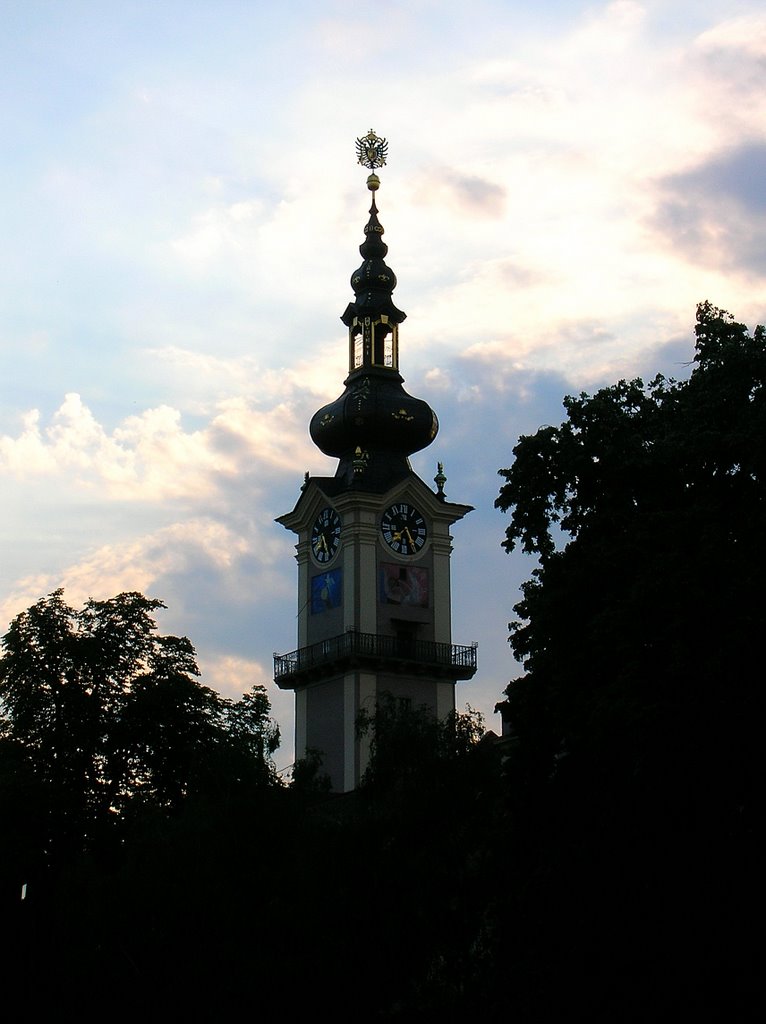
(375, 425)
(372, 318)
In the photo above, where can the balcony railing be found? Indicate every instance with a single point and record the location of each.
(371, 650)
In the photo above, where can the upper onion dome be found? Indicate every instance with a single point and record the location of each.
(374, 281)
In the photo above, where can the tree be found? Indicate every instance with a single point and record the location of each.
(108, 715)
(638, 720)
(654, 601)
(411, 747)
(253, 732)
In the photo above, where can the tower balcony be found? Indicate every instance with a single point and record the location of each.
(373, 652)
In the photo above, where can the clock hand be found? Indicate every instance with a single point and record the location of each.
(409, 538)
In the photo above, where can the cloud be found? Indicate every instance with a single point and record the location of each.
(139, 563)
(233, 676)
(150, 457)
(738, 38)
(217, 229)
(466, 194)
(716, 213)
(722, 71)
(203, 378)
(737, 175)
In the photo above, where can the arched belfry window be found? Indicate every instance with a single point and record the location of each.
(373, 343)
(356, 355)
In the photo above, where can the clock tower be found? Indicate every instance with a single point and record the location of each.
(374, 544)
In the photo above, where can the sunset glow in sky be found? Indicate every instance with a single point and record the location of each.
(182, 210)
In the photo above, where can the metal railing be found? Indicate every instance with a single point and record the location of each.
(447, 659)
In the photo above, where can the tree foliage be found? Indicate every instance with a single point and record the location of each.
(107, 715)
(661, 490)
(632, 451)
(637, 724)
(410, 747)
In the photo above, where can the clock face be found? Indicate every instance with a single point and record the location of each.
(404, 529)
(325, 535)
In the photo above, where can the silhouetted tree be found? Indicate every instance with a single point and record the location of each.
(252, 733)
(107, 714)
(133, 801)
(634, 778)
(308, 776)
(410, 746)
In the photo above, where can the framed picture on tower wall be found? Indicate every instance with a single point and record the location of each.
(326, 591)
(404, 584)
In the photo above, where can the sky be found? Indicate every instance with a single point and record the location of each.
(181, 213)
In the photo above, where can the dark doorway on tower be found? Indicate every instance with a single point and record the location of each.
(406, 634)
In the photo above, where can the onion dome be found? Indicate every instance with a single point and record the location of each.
(374, 425)
(374, 281)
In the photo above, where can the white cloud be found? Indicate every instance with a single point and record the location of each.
(746, 35)
(150, 457)
(234, 676)
(224, 553)
(216, 230)
(214, 378)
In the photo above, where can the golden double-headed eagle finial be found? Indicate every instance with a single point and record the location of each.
(371, 150)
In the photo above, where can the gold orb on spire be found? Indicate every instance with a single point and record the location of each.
(371, 150)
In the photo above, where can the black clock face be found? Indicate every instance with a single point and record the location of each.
(325, 535)
(404, 529)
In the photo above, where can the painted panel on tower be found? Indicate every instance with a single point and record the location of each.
(404, 584)
(326, 591)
